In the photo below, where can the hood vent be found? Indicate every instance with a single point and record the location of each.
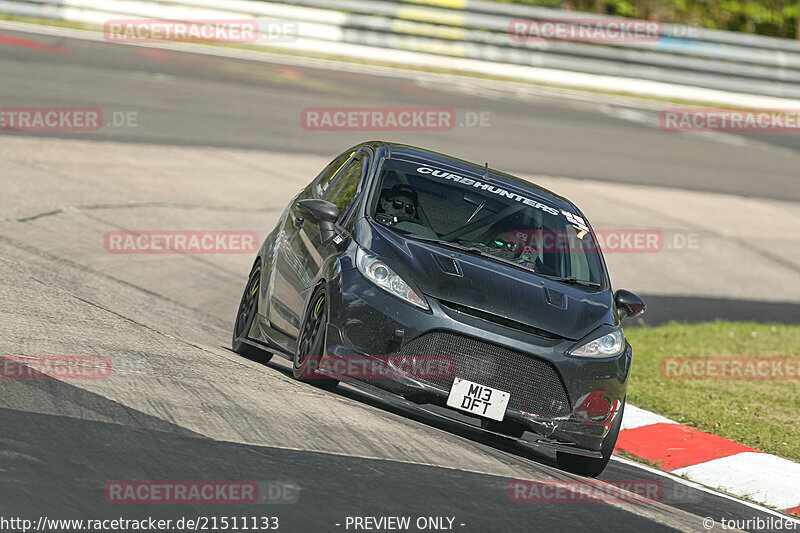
(556, 298)
(448, 265)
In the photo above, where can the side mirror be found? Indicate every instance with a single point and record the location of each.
(321, 212)
(628, 304)
(318, 210)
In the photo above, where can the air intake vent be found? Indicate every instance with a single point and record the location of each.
(448, 265)
(556, 298)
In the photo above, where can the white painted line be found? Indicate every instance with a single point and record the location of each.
(635, 417)
(702, 488)
(760, 476)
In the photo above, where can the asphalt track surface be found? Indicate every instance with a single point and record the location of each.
(179, 405)
(195, 100)
(213, 101)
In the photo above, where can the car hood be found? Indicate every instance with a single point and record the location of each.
(493, 287)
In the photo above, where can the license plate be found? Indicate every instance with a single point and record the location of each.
(478, 399)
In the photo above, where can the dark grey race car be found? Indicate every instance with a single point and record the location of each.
(447, 283)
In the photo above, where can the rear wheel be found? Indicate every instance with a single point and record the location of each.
(311, 342)
(590, 466)
(245, 317)
(508, 427)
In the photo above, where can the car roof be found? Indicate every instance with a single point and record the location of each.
(394, 150)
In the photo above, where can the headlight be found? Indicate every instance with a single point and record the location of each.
(384, 277)
(608, 345)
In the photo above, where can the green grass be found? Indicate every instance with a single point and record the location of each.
(763, 414)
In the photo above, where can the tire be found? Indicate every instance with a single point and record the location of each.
(589, 466)
(245, 316)
(311, 342)
(508, 428)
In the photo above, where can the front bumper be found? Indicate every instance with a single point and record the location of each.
(564, 399)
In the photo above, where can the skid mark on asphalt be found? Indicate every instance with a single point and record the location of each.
(93, 272)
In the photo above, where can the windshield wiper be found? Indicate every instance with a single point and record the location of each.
(471, 249)
(572, 280)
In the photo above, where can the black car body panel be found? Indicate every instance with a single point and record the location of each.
(493, 288)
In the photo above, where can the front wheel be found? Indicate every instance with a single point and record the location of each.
(590, 466)
(245, 317)
(311, 342)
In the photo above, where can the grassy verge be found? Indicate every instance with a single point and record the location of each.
(763, 414)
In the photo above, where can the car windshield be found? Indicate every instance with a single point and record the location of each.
(482, 215)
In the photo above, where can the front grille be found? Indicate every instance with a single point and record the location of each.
(533, 383)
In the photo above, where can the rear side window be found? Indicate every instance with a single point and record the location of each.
(344, 188)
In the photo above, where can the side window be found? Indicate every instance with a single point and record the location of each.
(343, 190)
(327, 176)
